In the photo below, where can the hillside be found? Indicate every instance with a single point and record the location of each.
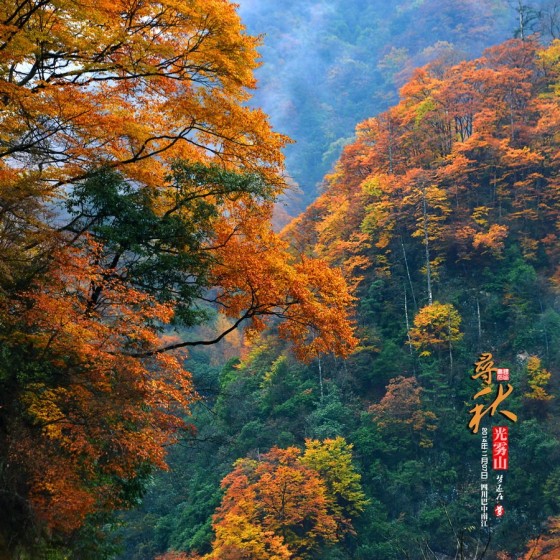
(444, 215)
(180, 380)
(328, 64)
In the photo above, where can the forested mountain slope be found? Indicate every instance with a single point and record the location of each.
(328, 64)
(337, 414)
(444, 214)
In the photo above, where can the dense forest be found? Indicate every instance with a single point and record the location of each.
(443, 215)
(180, 381)
(329, 64)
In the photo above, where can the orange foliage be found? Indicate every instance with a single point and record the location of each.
(276, 506)
(106, 393)
(467, 161)
(97, 416)
(546, 546)
(493, 239)
(113, 83)
(257, 278)
(285, 505)
(129, 86)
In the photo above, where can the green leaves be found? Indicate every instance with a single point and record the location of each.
(161, 240)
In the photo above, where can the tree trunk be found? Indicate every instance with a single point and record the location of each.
(408, 275)
(427, 245)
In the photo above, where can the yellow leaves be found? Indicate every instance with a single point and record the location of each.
(550, 57)
(286, 505)
(329, 228)
(529, 247)
(332, 459)
(537, 378)
(373, 186)
(236, 535)
(480, 215)
(435, 326)
(43, 407)
(423, 109)
(380, 221)
(276, 367)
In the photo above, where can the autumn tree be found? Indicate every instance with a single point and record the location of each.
(402, 414)
(136, 191)
(545, 546)
(332, 459)
(84, 420)
(436, 326)
(537, 379)
(287, 505)
(115, 83)
(429, 203)
(537, 397)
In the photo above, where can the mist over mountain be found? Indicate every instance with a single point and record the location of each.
(194, 366)
(327, 65)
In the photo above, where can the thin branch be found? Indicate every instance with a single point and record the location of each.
(247, 315)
